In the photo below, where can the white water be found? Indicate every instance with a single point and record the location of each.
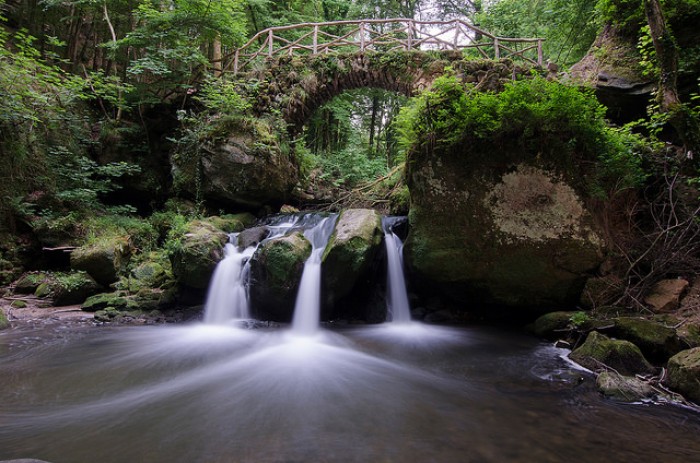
(307, 309)
(227, 299)
(398, 307)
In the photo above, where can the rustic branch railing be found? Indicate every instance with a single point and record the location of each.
(380, 35)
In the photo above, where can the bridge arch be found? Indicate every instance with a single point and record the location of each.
(296, 86)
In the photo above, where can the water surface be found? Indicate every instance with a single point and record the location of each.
(406, 393)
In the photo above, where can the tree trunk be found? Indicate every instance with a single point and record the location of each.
(681, 118)
(216, 57)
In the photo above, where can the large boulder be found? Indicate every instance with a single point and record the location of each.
(599, 352)
(238, 166)
(276, 269)
(102, 260)
(196, 253)
(64, 288)
(489, 229)
(684, 373)
(350, 252)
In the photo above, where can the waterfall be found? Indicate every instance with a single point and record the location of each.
(398, 308)
(307, 309)
(227, 298)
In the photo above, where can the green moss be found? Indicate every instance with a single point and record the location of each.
(18, 304)
(599, 352)
(4, 323)
(283, 260)
(657, 341)
(684, 373)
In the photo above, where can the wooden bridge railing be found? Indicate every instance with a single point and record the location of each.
(380, 35)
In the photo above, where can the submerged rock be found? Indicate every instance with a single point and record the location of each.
(351, 251)
(599, 351)
(624, 388)
(684, 373)
(276, 269)
(103, 260)
(197, 252)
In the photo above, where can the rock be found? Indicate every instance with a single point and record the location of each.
(18, 304)
(624, 388)
(485, 231)
(553, 325)
(72, 288)
(117, 301)
(242, 168)
(684, 373)
(197, 252)
(656, 341)
(64, 288)
(599, 351)
(601, 290)
(102, 260)
(252, 236)
(612, 67)
(276, 269)
(665, 296)
(350, 251)
(232, 223)
(4, 323)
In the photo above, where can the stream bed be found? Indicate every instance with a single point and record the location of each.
(374, 393)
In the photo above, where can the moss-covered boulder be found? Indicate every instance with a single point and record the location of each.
(623, 388)
(196, 252)
(4, 323)
(244, 166)
(350, 252)
(116, 300)
(553, 325)
(103, 260)
(30, 281)
(64, 288)
(599, 351)
(231, 223)
(276, 269)
(656, 341)
(684, 373)
(486, 230)
(143, 300)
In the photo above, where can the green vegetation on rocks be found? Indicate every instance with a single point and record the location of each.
(194, 252)
(599, 352)
(103, 260)
(350, 251)
(656, 341)
(4, 323)
(684, 373)
(276, 269)
(64, 288)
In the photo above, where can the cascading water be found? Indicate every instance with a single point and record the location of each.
(398, 308)
(227, 299)
(307, 308)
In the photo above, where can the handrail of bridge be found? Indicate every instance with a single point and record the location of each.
(380, 35)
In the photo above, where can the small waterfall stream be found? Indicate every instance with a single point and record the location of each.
(307, 308)
(398, 308)
(227, 299)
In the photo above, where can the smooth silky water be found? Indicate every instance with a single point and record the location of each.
(398, 392)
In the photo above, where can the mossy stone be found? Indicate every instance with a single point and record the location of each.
(197, 252)
(350, 251)
(4, 323)
(656, 341)
(102, 301)
(599, 352)
(552, 325)
(102, 260)
(18, 304)
(232, 223)
(276, 269)
(43, 290)
(684, 373)
(29, 282)
(623, 388)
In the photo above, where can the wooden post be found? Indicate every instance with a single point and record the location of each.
(496, 48)
(362, 37)
(539, 52)
(270, 38)
(315, 45)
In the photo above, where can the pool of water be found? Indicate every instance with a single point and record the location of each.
(411, 393)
